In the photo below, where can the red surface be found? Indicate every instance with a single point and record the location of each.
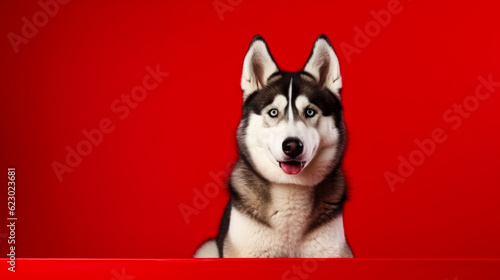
(286, 269)
(123, 200)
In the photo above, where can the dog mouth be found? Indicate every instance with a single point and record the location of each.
(292, 167)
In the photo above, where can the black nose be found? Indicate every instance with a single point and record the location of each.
(292, 147)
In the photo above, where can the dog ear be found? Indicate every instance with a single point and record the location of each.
(258, 65)
(323, 64)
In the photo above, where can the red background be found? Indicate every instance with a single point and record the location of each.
(123, 199)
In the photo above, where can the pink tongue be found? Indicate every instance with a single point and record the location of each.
(291, 167)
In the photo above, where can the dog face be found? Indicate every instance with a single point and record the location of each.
(292, 130)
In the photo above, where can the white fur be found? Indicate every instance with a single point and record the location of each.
(265, 136)
(323, 54)
(285, 237)
(207, 250)
(291, 195)
(256, 58)
(332, 234)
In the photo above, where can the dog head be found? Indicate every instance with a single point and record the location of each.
(291, 131)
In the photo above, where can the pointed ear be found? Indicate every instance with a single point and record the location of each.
(323, 64)
(257, 67)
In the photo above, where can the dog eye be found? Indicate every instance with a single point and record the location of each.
(310, 113)
(273, 113)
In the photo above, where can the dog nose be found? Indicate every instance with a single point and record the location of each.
(292, 147)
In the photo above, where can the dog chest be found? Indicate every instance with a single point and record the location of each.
(288, 218)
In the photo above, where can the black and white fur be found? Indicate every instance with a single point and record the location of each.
(285, 204)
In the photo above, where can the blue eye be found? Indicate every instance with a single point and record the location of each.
(310, 113)
(273, 113)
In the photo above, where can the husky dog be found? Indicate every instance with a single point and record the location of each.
(287, 189)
